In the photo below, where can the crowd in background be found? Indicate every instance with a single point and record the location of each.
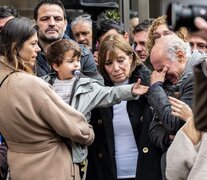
(129, 106)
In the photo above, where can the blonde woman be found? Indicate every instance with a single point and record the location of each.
(160, 28)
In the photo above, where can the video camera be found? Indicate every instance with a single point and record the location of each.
(179, 15)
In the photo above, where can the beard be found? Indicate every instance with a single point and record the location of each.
(50, 39)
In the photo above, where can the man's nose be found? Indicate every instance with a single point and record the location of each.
(52, 21)
(138, 48)
(81, 38)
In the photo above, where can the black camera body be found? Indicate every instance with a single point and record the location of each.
(179, 15)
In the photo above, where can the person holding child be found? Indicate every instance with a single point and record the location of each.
(33, 118)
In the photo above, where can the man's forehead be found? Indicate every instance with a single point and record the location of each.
(51, 10)
(156, 56)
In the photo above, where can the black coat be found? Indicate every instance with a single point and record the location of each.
(101, 157)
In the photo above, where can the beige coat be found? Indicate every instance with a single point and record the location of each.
(186, 158)
(32, 119)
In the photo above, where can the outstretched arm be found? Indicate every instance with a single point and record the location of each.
(139, 89)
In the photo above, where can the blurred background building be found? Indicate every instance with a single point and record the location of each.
(145, 8)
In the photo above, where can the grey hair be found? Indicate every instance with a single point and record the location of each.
(175, 44)
(82, 18)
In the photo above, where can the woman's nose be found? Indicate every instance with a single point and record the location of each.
(38, 48)
(115, 66)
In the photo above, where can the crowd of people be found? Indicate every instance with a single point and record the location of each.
(131, 109)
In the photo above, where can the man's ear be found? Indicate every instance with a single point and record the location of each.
(55, 67)
(180, 55)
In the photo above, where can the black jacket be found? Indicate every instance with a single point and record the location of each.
(101, 157)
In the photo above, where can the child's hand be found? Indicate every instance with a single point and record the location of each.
(139, 89)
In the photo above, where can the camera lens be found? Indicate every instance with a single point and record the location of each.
(179, 15)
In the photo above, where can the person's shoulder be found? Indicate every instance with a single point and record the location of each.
(32, 81)
(141, 71)
(89, 81)
(86, 79)
(94, 76)
(198, 56)
(189, 79)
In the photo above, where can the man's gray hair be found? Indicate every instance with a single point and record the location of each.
(173, 44)
(82, 18)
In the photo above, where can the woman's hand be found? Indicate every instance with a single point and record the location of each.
(183, 111)
(139, 89)
(180, 109)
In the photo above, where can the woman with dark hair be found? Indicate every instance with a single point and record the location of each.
(33, 118)
(122, 149)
